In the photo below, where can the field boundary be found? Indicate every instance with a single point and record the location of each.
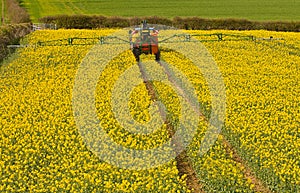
(11, 34)
(188, 23)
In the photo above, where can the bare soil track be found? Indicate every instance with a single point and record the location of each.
(184, 164)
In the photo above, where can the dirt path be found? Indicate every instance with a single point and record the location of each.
(184, 164)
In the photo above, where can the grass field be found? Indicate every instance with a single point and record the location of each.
(1, 7)
(287, 10)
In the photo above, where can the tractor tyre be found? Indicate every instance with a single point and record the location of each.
(157, 56)
(136, 53)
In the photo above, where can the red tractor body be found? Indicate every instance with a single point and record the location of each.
(145, 43)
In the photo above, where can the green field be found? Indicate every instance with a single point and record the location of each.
(1, 7)
(287, 10)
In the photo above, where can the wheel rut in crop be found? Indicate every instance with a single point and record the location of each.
(184, 164)
(259, 186)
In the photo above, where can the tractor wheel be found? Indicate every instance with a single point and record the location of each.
(136, 53)
(157, 56)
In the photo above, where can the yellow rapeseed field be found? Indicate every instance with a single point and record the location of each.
(42, 150)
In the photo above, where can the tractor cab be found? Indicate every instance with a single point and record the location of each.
(144, 40)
